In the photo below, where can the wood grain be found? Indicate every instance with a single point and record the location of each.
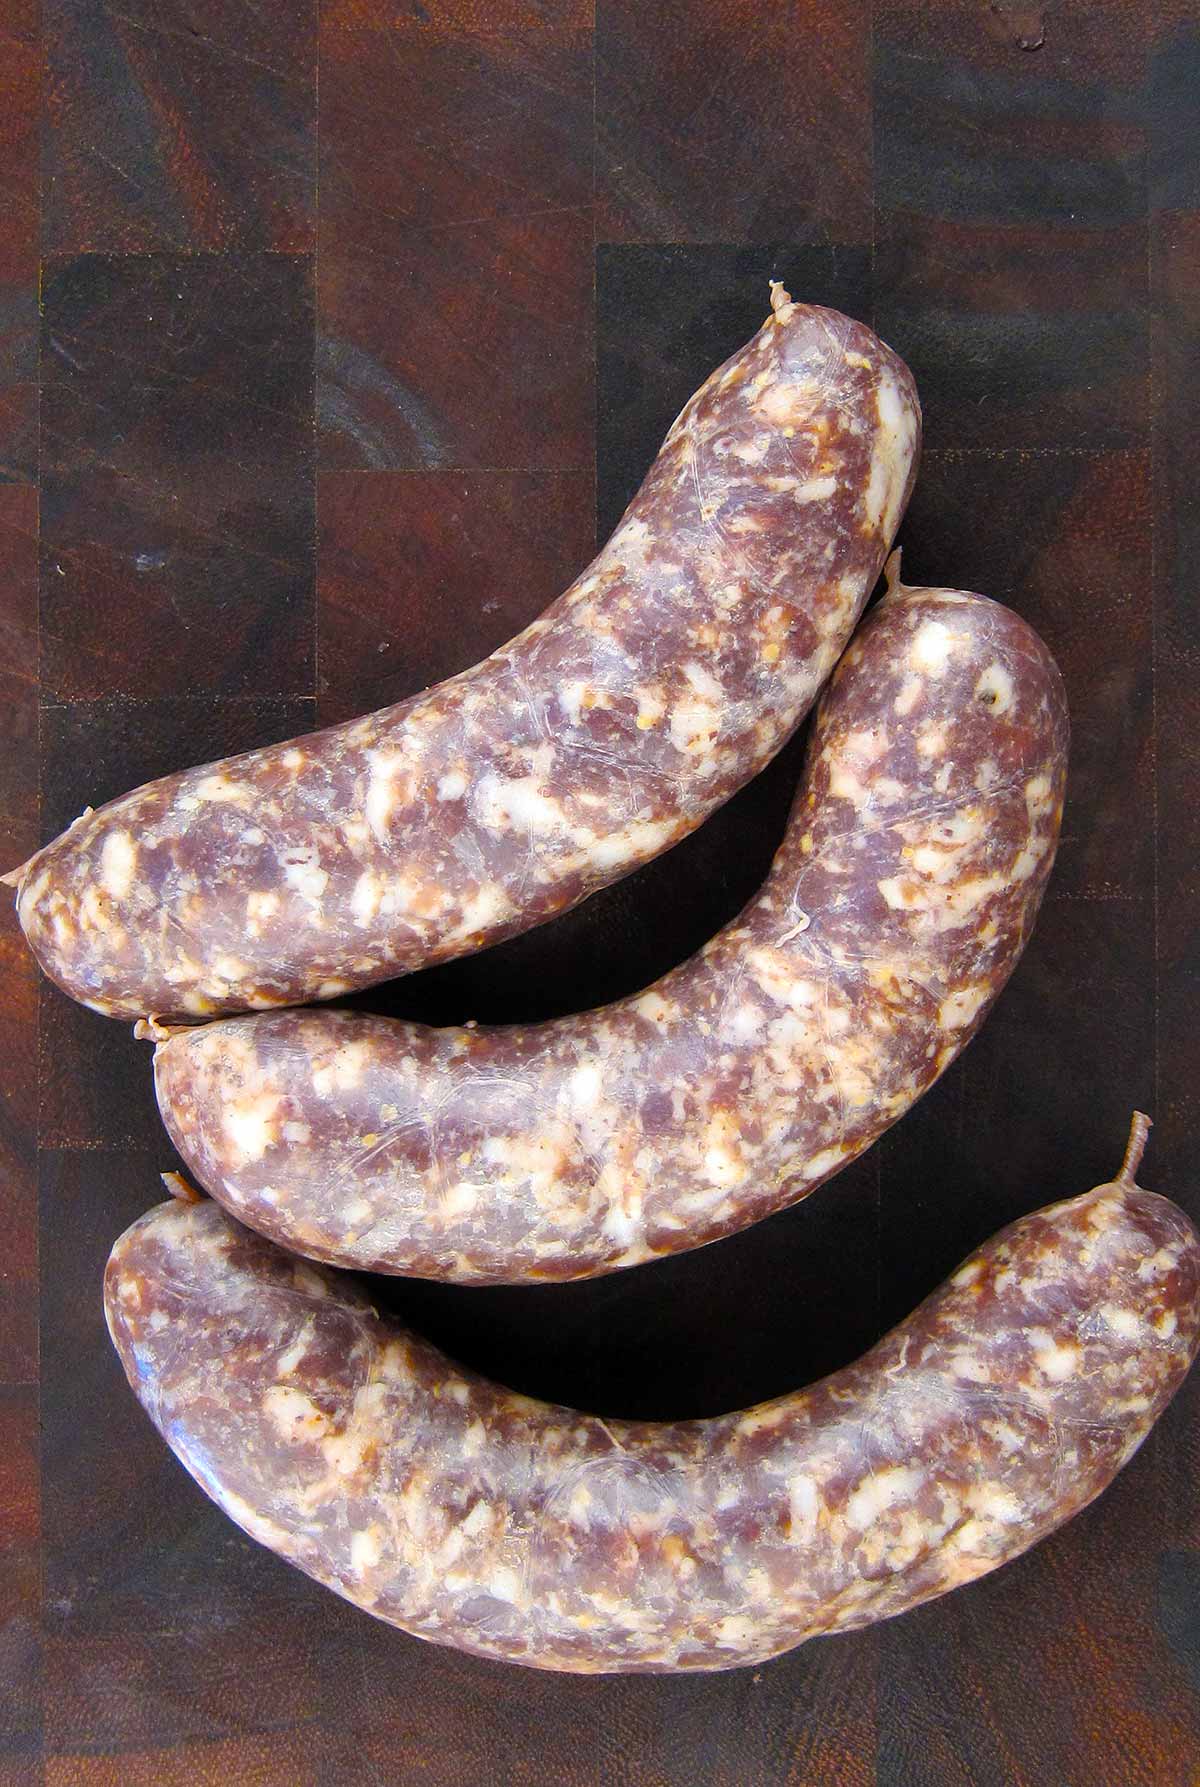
(328, 399)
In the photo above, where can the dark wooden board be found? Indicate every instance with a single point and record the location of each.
(355, 325)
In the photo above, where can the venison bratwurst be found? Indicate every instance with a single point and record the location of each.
(908, 880)
(514, 1529)
(667, 675)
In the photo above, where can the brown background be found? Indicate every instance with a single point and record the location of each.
(311, 416)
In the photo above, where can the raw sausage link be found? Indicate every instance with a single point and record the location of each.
(899, 902)
(478, 1518)
(659, 683)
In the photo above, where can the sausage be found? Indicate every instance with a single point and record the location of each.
(478, 1518)
(917, 850)
(662, 680)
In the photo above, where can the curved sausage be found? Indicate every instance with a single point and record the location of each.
(907, 883)
(514, 1529)
(667, 675)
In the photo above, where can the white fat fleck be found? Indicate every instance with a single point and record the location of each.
(963, 1560)
(893, 411)
(760, 1420)
(92, 912)
(458, 1201)
(365, 898)
(880, 1492)
(891, 457)
(974, 1370)
(620, 1225)
(650, 708)
(117, 858)
(519, 803)
(746, 1022)
(968, 1275)
(1157, 1265)
(260, 905)
(845, 784)
(250, 1125)
(479, 1520)
(304, 874)
(292, 1355)
(694, 727)
(857, 754)
(381, 791)
(219, 787)
(900, 894)
(345, 1071)
(995, 686)
(307, 878)
(960, 1007)
(784, 403)
(941, 911)
(474, 1440)
(722, 1162)
(1057, 1360)
(931, 647)
(910, 694)
(1125, 1322)
(704, 682)
(452, 786)
(819, 1164)
(654, 1007)
(294, 1414)
(570, 699)
(634, 844)
(365, 1549)
(583, 1087)
(487, 906)
(632, 537)
(992, 1501)
(805, 1504)
(817, 490)
(579, 1506)
(504, 1584)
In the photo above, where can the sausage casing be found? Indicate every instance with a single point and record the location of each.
(905, 888)
(662, 680)
(514, 1529)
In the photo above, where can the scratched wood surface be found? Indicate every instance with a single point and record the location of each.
(326, 396)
